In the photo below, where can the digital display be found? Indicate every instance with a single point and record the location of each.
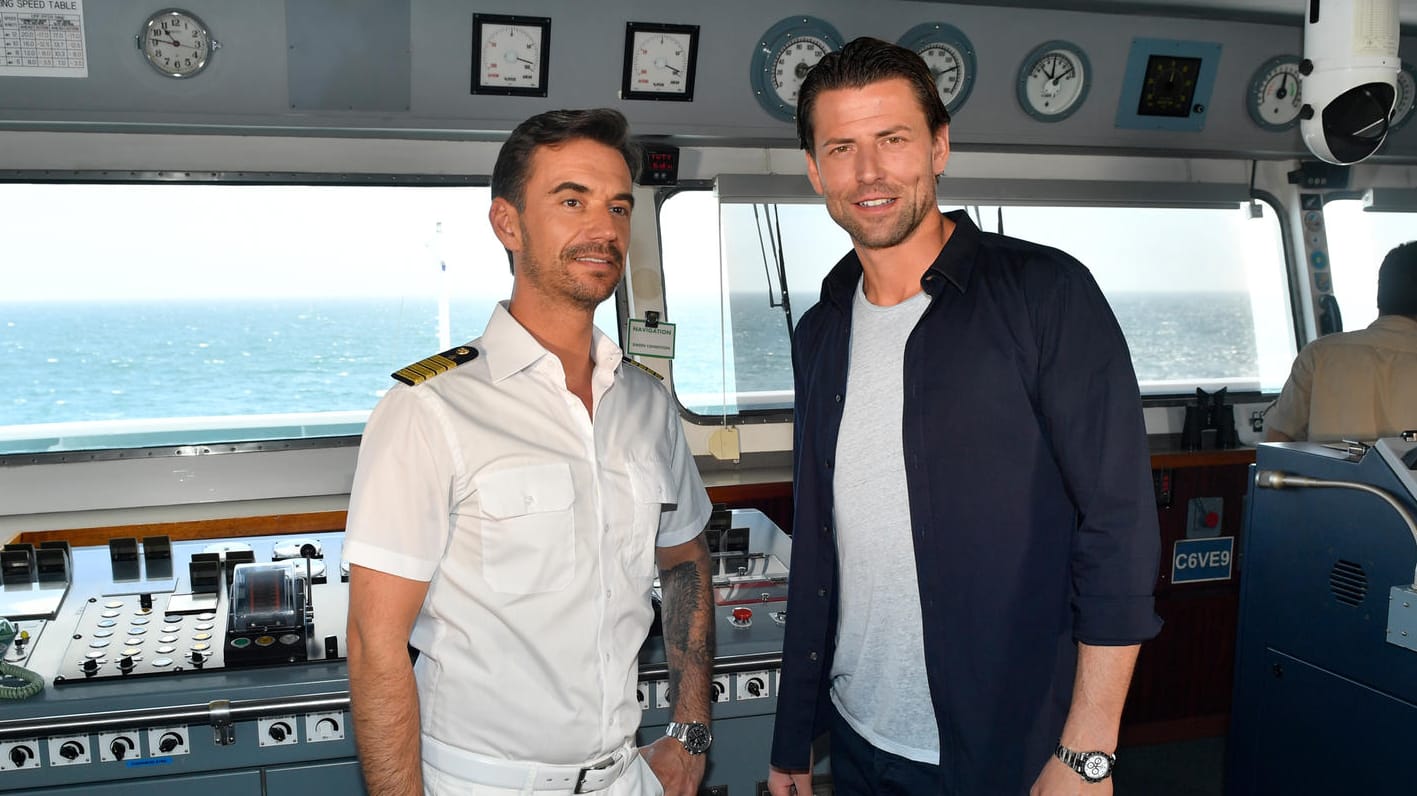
(659, 165)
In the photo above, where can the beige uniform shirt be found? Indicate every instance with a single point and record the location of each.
(1358, 385)
(536, 530)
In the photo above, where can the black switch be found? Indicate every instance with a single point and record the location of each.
(205, 572)
(17, 563)
(123, 549)
(53, 564)
(157, 548)
(331, 647)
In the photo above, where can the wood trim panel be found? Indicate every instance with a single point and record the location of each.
(268, 525)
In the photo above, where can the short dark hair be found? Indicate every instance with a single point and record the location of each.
(1397, 281)
(602, 125)
(861, 62)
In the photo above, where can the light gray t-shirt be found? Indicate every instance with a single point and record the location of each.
(878, 673)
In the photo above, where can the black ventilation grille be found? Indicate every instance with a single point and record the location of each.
(1348, 582)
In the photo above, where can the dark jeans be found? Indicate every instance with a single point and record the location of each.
(859, 768)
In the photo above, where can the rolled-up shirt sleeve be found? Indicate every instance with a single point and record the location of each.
(1091, 411)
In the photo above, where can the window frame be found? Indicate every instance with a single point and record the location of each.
(247, 178)
(750, 188)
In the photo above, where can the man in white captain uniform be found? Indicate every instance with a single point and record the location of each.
(511, 502)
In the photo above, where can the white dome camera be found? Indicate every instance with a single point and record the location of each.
(1349, 77)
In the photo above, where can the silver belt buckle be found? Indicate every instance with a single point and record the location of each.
(601, 766)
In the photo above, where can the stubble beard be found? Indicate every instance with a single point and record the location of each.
(912, 210)
(559, 283)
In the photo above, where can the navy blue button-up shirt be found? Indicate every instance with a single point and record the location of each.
(1031, 501)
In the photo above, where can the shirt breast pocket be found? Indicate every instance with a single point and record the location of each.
(528, 530)
(651, 489)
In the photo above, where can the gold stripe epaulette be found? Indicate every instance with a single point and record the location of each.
(647, 369)
(421, 371)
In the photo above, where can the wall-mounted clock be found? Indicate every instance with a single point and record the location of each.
(512, 54)
(1274, 99)
(784, 56)
(659, 61)
(1406, 96)
(950, 56)
(176, 43)
(1053, 81)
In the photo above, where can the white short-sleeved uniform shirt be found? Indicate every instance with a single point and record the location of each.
(535, 529)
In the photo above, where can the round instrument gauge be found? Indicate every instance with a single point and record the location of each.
(950, 56)
(1406, 96)
(784, 56)
(176, 43)
(1274, 98)
(1053, 81)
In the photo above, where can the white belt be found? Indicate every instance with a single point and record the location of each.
(583, 778)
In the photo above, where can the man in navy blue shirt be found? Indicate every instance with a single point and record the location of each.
(975, 539)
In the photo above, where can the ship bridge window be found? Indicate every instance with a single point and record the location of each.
(1359, 238)
(1200, 293)
(179, 313)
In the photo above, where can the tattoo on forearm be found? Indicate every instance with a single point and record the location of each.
(689, 632)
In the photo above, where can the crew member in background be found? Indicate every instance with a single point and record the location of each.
(1358, 385)
(975, 537)
(511, 501)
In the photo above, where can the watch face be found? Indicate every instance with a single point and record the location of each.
(697, 738)
(694, 735)
(176, 43)
(1096, 766)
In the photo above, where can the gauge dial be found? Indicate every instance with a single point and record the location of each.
(949, 55)
(791, 65)
(1053, 81)
(176, 43)
(784, 56)
(1406, 96)
(1169, 86)
(1274, 100)
(511, 54)
(659, 61)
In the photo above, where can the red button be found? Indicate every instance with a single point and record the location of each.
(742, 614)
(1212, 519)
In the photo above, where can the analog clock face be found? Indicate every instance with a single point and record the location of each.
(176, 43)
(659, 61)
(511, 55)
(784, 56)
(1406, 96)
(1274, 99)
(950, 57)
(1053, 81)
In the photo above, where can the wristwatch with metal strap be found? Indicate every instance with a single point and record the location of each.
(1091, 766)
(694, 735)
